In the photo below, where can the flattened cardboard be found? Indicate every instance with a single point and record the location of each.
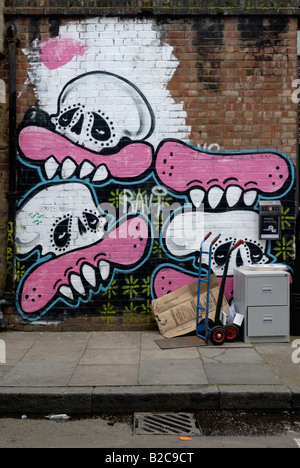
(176, 312)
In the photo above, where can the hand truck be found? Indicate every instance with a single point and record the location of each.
(203, 326)
(219, 332)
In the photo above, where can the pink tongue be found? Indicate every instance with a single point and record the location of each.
(38, 144)
(123, 246)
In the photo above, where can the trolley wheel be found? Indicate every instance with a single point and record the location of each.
(217, 335)
(210, 323)
(232, 332)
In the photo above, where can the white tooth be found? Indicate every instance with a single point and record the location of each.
(100, 174)
(250, 197)
(214, 196)
(66, 291)
(233, 194)
(77, 283)
(197, 196)
(89, 274)
(86, 169)
(51, 166)
(68, 168)
(104, 269)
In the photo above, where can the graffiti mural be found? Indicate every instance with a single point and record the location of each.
(63, 216)
(115, 201)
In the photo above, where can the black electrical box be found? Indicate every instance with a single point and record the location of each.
(269, 219)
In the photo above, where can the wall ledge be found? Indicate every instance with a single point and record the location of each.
(151, 7)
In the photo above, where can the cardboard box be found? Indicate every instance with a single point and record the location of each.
(176, 312)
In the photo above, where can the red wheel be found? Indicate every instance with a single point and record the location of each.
(232, 332)
(217, 335)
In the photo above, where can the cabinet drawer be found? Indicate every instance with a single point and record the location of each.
(268, 321)
(268, 291)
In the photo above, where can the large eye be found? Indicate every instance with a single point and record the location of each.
(66, 118)
(61, 234)
(100, 130)
(221, 252)
(256, 253)
(91, 220)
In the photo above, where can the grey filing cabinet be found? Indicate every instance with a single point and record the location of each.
(262, 297)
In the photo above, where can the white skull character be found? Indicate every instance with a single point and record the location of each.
(58, 219)
(96, 110)
(184, 234)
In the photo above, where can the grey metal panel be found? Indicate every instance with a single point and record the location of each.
(268, 321)
(267, 290)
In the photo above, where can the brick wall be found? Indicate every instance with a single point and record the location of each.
(135, 137)
(3, 154)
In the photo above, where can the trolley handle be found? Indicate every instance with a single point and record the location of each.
(215, 239)
(237, 244)
(204, 239)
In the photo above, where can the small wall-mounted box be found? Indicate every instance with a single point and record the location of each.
(269, 219)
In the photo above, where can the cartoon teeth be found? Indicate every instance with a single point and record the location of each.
(250, 197)
(197, 195)
(61, 157)
(51, 166)
(86, 169)
(215, 197)
(89, 274)
(67, 292)
(81, 283)
(76, 282)
(69, 168)
(233, 194)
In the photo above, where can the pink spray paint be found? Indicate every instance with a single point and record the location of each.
(57, 52)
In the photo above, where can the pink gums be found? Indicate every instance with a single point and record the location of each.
(181, 167)
(56, 52)
(38, 144)
(123, 246)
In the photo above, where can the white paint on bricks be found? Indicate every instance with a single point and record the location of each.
(130, 47)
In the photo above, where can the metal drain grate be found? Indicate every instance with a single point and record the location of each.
(165, 423)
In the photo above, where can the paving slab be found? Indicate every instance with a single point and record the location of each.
(39, 374)
(172, 372)
(107, 356)
(105, 375)
(240, 374)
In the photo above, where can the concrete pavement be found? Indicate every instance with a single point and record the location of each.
(125, 372)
